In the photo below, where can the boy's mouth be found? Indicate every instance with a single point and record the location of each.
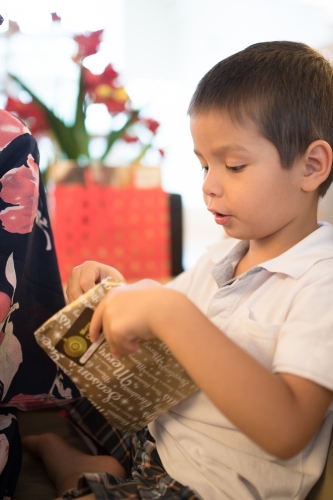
(221, 219)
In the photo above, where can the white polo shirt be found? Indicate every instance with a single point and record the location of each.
(281, 313)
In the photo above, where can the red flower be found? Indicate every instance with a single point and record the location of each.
(30, 113)
(115, 99)
(88, 44)
(10, 128)
(13, 28)
(112, 105)
(55, 17)
(151, 124)
(108, 77)
(20, 189)
(130, 138)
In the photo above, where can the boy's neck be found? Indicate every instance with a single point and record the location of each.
(272, 246)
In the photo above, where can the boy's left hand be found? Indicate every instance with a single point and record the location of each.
(124, 316)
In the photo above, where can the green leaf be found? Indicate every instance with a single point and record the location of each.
(79, 128)
(115, 135)
(69, 138)
(143, 151)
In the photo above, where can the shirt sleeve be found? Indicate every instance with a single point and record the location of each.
(305, 341)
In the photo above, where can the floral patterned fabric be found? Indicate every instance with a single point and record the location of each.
(30, 292)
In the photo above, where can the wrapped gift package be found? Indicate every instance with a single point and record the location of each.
(131, 391)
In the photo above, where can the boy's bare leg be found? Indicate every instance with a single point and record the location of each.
(65, 464)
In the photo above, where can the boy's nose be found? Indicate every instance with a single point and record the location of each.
(212, 185)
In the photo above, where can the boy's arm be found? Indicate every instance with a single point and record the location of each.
(279, 412)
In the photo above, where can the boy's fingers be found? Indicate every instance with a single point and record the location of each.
(83, 278)
(96, 322)
(73, 291)
(87, 275)
(129, 347)
(87, 279)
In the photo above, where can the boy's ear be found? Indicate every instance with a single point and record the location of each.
(317, 165)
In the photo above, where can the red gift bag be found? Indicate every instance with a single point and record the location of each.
(127, 228)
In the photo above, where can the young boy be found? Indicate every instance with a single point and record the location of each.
(252, 321)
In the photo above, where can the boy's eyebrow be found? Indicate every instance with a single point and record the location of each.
(224, 149)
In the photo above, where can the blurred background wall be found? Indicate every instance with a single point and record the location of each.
(161, 48)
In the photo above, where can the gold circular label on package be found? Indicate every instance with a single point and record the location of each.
(75, 346)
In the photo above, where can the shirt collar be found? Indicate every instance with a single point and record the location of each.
(223, 271)
(301, 257)
(220, 250)
(294, 262)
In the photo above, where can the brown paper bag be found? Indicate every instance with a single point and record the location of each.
(129, 392)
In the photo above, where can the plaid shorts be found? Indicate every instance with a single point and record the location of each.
(146, 477)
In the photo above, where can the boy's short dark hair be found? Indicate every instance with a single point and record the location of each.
(285, 88)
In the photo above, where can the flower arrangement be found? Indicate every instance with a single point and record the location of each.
(73, 140)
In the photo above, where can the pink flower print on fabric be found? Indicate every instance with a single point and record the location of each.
(5, 421)
(4, 451)
(4, 309)
(20, 188)
(10, 128)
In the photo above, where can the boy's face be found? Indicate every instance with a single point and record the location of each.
(245, 187)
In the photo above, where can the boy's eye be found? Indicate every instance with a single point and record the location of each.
(204, 169)
(236, 169)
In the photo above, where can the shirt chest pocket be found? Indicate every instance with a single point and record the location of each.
(257, 338)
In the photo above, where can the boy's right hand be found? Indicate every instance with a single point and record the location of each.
(87, 275)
